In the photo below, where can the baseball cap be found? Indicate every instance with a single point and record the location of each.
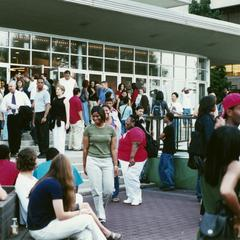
(231, 100)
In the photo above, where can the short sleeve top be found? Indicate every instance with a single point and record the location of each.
(40, 207)
(99, 140)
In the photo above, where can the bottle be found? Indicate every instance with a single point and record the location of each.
(14, 226)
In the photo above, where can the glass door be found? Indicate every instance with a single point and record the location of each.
(5, 72)
(112, 82)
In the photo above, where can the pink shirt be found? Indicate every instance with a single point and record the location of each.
(8, 172)
(125, 145)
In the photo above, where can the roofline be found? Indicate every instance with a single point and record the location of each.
(162, 14)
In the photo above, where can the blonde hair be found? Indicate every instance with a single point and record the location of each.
(61, 87)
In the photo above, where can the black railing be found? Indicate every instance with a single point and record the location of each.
(184, 125)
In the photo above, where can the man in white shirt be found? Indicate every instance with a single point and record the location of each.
(69, 84)
(40, 117)
(11, 104)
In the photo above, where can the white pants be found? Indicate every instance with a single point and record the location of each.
(59, 137)
(101, 177)
(131, 179)
(76, 135)
(81, 227)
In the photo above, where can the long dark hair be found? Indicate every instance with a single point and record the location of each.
(207, 104)
(61, 170)
(223, 148)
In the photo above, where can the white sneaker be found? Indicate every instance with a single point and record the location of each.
(127, 201)
(136, 203)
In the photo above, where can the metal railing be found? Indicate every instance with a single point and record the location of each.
(183, 125)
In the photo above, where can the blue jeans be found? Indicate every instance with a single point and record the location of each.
(166, 170)
(116, 186)
(123, 130)
(86, 113)
(186, 112)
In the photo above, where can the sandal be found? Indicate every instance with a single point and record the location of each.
(114, 236)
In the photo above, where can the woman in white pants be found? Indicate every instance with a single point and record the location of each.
(100, 160)
(132, 156)
(60, 119)
(52, 212)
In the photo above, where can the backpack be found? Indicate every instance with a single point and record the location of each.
(152, 146)
(195, 151)
(157, 110)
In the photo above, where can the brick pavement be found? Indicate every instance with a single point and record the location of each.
(162, 216)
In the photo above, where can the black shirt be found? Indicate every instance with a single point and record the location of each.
(169, 141)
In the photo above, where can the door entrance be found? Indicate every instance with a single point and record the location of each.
(5, 72)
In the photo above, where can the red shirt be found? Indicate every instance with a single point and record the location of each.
(125, 145)
(8, 172)
(75, 108)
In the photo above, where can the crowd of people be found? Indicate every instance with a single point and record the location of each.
(111, 130)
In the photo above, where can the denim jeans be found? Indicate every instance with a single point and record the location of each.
(123, 130)
(166, 170)
(116, 187)
(85, 112)
(186, 112)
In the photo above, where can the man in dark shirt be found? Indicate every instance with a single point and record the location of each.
(166, 166)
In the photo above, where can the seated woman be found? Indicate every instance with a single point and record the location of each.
(221, 176)
(52, 212)
(3, 194)
(26, 162)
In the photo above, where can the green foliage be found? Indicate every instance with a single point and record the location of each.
(219, 81)
(202, 8)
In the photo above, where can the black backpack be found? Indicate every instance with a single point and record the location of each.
(195, 151)
(157, 110)
(152, 146)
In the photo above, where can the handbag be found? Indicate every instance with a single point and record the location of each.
(217, 226)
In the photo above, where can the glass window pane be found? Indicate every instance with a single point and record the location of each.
(167, 71)
(78, 62)
(60, 45)
(79, 47)
(95, 49)
(202, 75)
(154, 57)
(141, 83)
(20, 40)
(127, 81)
(41, 43)
(60, 60)
(141, 55)
(202, 63)
(154, 70)
(95, 64)
(178, 86)
(192, 61)
(167, 58)
(40, 58)
(127, 53)
(4, 55)
(111, 66)
(126, 67)
(112, 82)
(141, 68)
(111, 51)
(20, 56)
(155, 84)
(191, 74)
(179, 73)
(3, 39)
(179, 60)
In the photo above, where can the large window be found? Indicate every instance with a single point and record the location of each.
(60, 60)
(4, 39)
(95, 64)
(111, 66)
(95, 49)
(40, 58)
(40, 43)
(111, 51)
(4, 55)
(79, 48)
(141, 68)
(20, 56)
(141, 56)
(127, 53)
(78, 62)
(126, 67)
(20, 40)
(154, 57)
(60, 45)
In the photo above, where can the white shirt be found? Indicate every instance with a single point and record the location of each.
(69, 85)
(40, 100)
(21, 100)
(23, 186)
(176, 108)
(186, 100)
(33, 89)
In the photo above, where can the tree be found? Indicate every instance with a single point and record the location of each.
(203, 8)
(219, 81)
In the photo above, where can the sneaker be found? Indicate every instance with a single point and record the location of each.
(136, 203)
(127, 201)
(114, 236)
(116, 199)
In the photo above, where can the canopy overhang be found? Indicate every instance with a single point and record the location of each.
(127, 22)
